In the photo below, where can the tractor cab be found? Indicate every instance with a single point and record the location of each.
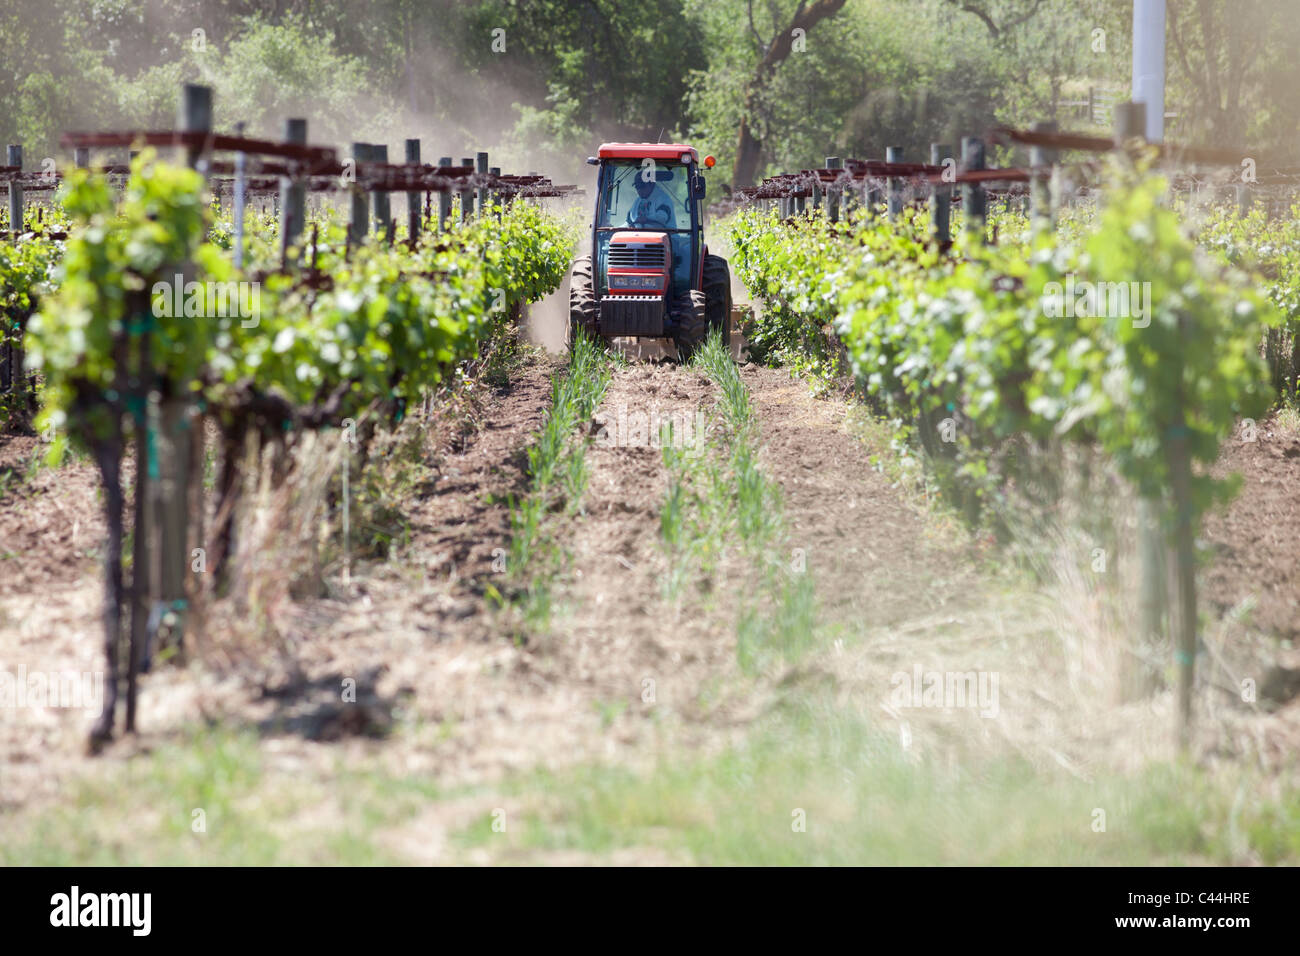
(650, 274)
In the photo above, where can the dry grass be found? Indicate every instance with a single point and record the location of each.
(711, 769)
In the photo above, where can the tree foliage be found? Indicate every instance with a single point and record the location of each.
(541, 82)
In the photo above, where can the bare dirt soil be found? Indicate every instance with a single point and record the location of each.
(876, 560)
(420, 638)
(432, 656)
(419, 633)
(619, 631)
(51, 543)
(51, 520)
(1255, 543)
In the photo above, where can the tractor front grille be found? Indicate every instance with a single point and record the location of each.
(638, 257)
(632, 315)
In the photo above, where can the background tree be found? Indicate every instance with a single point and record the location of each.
(1235, 70)
(787, 36)
(541, 82)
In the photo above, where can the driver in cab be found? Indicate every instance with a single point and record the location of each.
(653, 208)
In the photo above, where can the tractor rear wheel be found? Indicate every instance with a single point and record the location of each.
(584, 311)
(692, 324)
(717, 293)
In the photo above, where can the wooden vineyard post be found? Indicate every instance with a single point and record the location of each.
(444, 198)
(1142, 680)
(293, 195)
(142, 529)
(347, 505)
(193, 504)
(496, 198)
(12, 375)
(1130, 123)
(872, 192)
(164, 462)
(466, 194)
(15, 158)
(1245, 199)
(975, 201)
(413, 198)
(383, 204)
(359, 215)
(941, 197)
(894, 154)
(239, 202)
(195, 117)
(81, 157)
(481, 167)
(140, 395)
(850, 197)
(11, 372)
(833, 193)
(1180, 474)
(1042, 213)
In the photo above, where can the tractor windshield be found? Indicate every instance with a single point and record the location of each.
(644, 194)
(650, 195)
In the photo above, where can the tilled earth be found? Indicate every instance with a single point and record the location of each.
(423, 637)
(1256, 542)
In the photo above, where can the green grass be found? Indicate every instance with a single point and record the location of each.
(724, 496)
(143, 813)
(815, 754)
(863, 800)
(1288, 419)
(782, 631)
(863, 795)
(757, 499)
(380, 491)
(717, 494)
(696, 518)
(557, 471)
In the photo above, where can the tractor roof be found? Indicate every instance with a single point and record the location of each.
(647, 151)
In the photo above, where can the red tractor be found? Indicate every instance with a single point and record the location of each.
(650, 274)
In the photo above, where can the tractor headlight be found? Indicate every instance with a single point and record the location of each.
(635, 282)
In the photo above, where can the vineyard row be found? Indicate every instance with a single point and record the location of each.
(1136, 336)
(272, 343)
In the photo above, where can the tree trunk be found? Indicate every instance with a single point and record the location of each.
(748, 152)
(749, 148)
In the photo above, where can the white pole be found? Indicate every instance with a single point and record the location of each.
(1149, 64)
